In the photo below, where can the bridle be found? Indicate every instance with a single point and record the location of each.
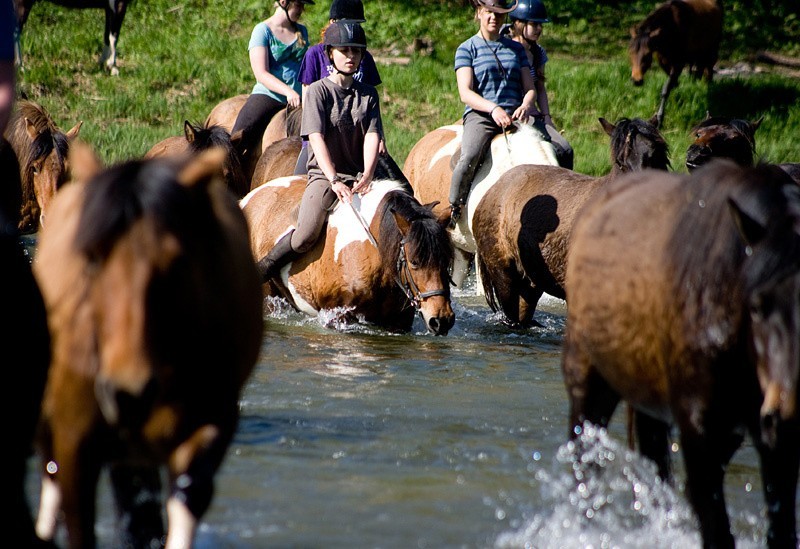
(406, 282)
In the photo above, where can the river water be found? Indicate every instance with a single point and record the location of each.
(352, 437)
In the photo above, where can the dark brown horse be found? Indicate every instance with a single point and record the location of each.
(115, 14)
(385, 283)
(42, 150)
(195, 140)
(24, 336)
(154, 306)
(522, 225)
(684, 299)
(681, 33)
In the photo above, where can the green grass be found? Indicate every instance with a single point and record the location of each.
(177, 60)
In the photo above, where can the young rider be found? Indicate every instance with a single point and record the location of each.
(342, 121)
(495, 83)
(526, 28)
(277, 46)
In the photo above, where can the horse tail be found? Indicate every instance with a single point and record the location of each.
(488, 286)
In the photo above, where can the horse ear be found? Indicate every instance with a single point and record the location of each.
(708, 115)
(84, 163)
(750, 229)
(74, 131)
(402, 223)
(654, 121)
(203, 168)
(188, 131)
(431, 205)
(633, 32)
(236, 137)
(607, 126)
(755, 124)
(33, 133)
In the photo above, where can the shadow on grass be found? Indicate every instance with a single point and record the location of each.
(749, 98)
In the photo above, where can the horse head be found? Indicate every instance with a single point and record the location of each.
(636, 145)
(202, 138)
(722, 137)
(418, 252)
(640, 52)
(770, 228)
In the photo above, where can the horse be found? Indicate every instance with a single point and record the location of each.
(23, 326)
(115, 13)
(681, 33)
(154, 306)
(42, 150)
(429, 167)
(684, 294)
(286, 123)
(722, 137)
(278, 160)
(196, 139)
(383, 271)
(522, 225)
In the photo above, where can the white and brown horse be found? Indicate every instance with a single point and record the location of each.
(429, 168)
(523, 224)
(385, 282)
(684, 300)
(154, 306)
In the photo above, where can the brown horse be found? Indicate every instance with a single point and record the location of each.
(154, 305)
(284, 124)
(722, 137)
(405, 269)
(523, 224)
(278, 160)
(429, 167)
(196, 139)
(681, 33)
(24, 335)
(115, 14)
(684, 295)
(42, 150)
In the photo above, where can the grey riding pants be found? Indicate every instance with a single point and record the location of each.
(317, 201)
(479, 129)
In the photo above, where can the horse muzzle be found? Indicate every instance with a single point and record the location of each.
(438, 316)
(697, 156)
(779, 405)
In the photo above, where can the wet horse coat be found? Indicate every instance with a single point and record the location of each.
(154, 305)
(429, 168)
(523, 224)
(684, 299)
(42, 150)
(383, 284)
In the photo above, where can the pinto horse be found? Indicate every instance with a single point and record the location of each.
(23, 326)
(680, 33)
(42, 150)
(115, 14)
(406, 269)
(522, 225)
(684, 295)
(153, 302)
(429, 167)
(196, 139)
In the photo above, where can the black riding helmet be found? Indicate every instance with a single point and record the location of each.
(341, 34)
(347, 9)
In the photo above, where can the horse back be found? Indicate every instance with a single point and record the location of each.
(225, 112)
(278, 160)
(427, 165)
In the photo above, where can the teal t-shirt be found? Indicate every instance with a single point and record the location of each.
(284, 59)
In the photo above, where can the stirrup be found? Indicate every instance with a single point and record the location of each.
(455, 215)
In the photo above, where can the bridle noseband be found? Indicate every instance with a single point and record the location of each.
(406, 282)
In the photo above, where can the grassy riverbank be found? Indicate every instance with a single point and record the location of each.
(177, 60)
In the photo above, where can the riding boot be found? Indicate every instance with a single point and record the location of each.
(271, 264)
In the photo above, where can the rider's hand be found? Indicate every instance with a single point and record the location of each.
(500, 117)
(293, 99)
(363, 185)
(342, 191)
(521, 114)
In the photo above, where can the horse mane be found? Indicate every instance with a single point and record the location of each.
(119, 196)
(428, 243)
(620, 138)
(217, 136)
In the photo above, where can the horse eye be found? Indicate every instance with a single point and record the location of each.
(413, 264)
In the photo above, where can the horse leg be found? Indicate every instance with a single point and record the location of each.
(23, 9)
(704, 478)
(115, 14)
(653, 436)
(779, 470)
(461, 262)
(137, 492)
(529, 297)
(671, 82)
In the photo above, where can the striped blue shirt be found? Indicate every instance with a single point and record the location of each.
(497, 66)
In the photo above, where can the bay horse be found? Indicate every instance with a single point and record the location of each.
(43, 153)
(23, 327)
(115, 14)
(196, 139)
(680, 33)
(405, 271)
(684, 295)
(154, 306)
(523, 224)
(278, 160)
(429, 168)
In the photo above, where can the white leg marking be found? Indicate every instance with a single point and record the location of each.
(49, 505)
(182, 525)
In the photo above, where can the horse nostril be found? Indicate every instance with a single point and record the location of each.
(637, 82)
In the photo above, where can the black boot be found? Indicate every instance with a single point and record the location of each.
(271, 264)
(455, 215)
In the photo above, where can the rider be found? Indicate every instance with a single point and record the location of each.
(495, 83)
(277, 46)
(342, 121)
(526, 28)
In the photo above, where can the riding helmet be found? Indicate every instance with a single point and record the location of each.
(530, 10)
(345, 33)
(496, 6)
(347, 9)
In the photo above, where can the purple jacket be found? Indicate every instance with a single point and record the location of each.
(316, 66)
